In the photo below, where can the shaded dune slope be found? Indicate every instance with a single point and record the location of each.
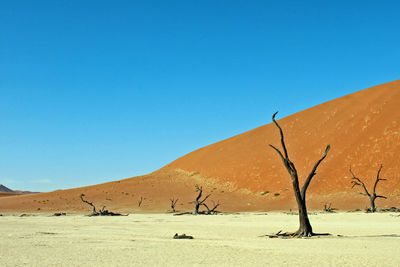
(363, 129)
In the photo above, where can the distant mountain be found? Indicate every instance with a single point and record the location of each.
(4, 189)
(25, 192)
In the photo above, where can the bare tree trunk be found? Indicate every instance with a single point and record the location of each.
(197, 206)
(372, 201)
(305, 228)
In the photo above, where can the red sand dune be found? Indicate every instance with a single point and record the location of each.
(363, 129)
(5, 194)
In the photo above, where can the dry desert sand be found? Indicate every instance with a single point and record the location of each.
(224, 240)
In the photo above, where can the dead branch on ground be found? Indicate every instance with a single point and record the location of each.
(102, 212)
(182, 236)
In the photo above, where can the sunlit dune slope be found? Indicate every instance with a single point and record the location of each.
(363, 130)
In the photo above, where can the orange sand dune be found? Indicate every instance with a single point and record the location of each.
(5, 194)
(363, 129)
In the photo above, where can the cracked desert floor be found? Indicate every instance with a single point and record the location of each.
(358, 239)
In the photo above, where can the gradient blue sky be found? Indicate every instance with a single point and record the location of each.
(94, 91)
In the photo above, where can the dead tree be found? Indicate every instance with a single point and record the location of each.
(199, 202)
(102, 212)
(328, 208)
(94, 212)
(372, 197)
(173, 203)
(140, 202)
(305, 228)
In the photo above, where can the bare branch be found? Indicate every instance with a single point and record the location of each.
(89, 203)
(140, 201)
(205, 205)
(286, 162)
(313, 172)
(285, 158)
(361, 193)
(357, 181)
(377, 178)
(200, 190)
(214, 209)
(201, 202)
(354, 184)
(282, 137)
(173, 203)
(280, 153)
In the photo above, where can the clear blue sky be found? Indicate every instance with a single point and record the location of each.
(95, 91)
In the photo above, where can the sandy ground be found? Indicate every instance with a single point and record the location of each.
(227, 240)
